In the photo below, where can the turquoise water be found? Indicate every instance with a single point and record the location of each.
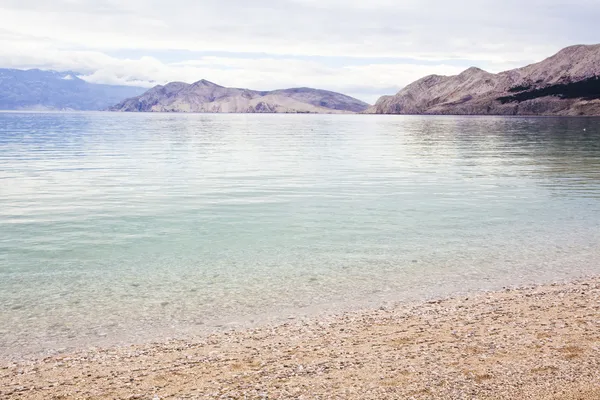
(119, 228)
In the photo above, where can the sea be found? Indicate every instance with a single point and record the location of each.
(119, 228)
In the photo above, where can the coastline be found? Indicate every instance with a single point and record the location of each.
(540, 342)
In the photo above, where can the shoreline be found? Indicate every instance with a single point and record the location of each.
(561, 116)
(536, 342)
(35, 347)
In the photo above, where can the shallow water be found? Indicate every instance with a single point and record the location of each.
(118, 228)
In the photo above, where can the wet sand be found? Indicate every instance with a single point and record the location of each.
(528, 343)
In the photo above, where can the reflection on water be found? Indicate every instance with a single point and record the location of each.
(124, 227)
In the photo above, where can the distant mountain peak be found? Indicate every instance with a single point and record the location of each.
(579, 47)
(204, 82)
(56, 90)
(473, 71)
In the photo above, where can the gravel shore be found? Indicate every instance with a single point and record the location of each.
(529, 343)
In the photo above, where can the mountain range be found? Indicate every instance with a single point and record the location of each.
(568, 83)
(35, 89)
(205, 96)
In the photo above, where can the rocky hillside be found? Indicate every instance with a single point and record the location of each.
(567, 83)
(205, 96)
(35, 89)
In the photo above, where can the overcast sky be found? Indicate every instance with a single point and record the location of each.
(363, 48)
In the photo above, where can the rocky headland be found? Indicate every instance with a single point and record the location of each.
(205, 96)
(567, 83)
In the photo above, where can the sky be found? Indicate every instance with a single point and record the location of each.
(363, 48)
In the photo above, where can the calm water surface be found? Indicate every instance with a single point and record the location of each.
(118, 228)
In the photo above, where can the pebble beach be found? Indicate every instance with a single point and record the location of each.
(539, 342)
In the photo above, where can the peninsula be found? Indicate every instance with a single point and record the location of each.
(567, 84)
(205, 96)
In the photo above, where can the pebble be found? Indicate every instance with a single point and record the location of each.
(530, 343)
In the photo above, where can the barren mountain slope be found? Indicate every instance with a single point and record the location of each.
(205, 96)
(565, 84)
